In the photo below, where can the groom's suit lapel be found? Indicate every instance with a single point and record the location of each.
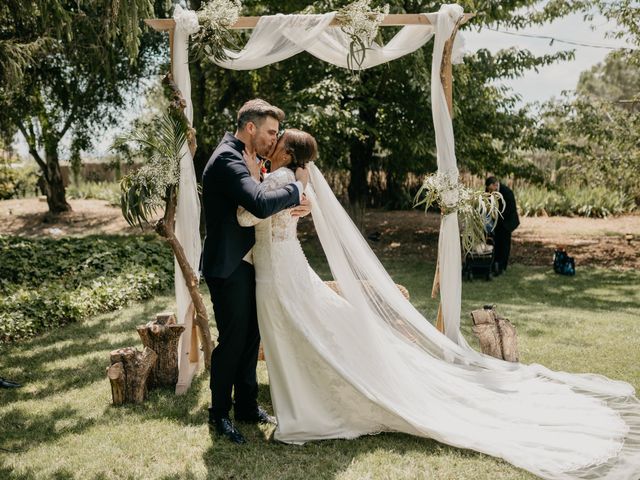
(238, 147)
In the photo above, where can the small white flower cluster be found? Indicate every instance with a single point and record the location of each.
(218, 14)
(360, 22)
(358, 19)
(160, 173)
(446, 191)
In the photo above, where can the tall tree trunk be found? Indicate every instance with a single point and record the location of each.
(361, 154)
(54, 184)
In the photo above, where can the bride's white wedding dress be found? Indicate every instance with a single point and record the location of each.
(367, 362)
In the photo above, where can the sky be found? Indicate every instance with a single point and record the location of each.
(546, 83)
(551, 80)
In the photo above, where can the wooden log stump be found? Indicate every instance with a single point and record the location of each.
(128, 374)
(163, 337)
(496, 334)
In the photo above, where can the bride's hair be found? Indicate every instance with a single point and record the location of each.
(301, 146)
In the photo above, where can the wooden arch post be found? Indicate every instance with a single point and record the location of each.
(391, 20)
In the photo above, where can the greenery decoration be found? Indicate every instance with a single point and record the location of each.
(360, 22)
(214, 37)
(148, 189)
(474, 208)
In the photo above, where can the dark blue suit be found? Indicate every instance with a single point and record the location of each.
(227, 184)
(505, 225)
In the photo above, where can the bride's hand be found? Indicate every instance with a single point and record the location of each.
(303, 209)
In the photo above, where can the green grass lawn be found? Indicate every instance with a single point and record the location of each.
(61, 423)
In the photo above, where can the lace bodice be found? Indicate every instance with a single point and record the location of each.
(283, 225)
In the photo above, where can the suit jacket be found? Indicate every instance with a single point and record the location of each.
(510, 219)
(227, 184)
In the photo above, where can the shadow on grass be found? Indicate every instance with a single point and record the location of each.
(591, 289)
(265, 458)
(45, 427)
(53, 363)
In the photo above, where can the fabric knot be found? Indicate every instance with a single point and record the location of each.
(453, 10)
(186, 20)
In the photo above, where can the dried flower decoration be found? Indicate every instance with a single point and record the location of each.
(360, 22)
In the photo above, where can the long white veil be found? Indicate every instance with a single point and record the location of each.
(603, 415)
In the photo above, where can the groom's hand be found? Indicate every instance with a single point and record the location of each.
(303, 209)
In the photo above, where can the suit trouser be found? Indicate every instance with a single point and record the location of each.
(235, 358)
(502, 248)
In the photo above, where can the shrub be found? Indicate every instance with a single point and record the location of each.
(17, 180)
(581, 201)
(108, 191)
(46, 283)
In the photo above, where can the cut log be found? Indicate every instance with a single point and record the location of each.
(509, 340)
(497, 336)
(489, 338)
(116, 376)
(128, 374)
(163, 337)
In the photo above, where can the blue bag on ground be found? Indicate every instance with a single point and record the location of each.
(563, 263)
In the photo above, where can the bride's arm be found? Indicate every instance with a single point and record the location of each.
(246, 218)
(273, 182)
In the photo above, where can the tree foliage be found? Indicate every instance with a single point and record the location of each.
(68, 66)
(378, 128)
(598, 131)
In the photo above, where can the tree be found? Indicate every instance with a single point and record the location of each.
(597, 131)
(74, 80)
(380, 122)
(615, 80)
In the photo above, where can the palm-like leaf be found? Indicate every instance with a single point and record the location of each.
(147, 190)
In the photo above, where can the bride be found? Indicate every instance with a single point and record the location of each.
(366, 361)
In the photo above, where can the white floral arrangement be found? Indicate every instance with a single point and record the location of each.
(214, 37)
(361, 23)
(474, 208)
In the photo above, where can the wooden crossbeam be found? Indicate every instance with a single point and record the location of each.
(391, 20)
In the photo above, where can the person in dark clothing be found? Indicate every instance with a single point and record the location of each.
(505, 224)
(231, 179)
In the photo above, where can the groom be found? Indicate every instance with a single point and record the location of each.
(228, 182)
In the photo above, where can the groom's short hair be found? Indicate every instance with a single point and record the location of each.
(256, 111)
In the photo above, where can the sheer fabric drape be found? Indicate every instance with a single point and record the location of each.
(274, 39)
(187, 227)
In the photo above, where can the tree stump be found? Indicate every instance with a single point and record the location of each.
(128, 374)
(163, 337)
(497, 336)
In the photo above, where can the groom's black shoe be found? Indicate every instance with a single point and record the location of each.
(4, 383)
(260, 415)
(224, 427)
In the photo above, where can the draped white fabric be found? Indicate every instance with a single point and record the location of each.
(187, 228)
(278, 37)
(281, 36)
(449, 257)
(557, 425)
